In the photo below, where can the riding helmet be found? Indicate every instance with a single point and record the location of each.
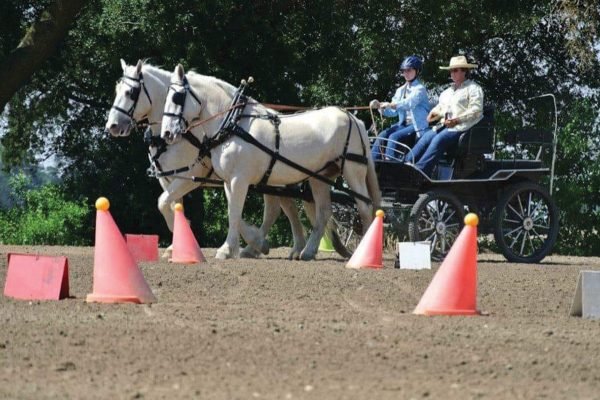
(412, 62)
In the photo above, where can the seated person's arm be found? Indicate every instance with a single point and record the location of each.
(435, 114)
(414, 98)
(474, 110)
(388, 110)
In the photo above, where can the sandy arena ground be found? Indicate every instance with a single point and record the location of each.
(278, 329)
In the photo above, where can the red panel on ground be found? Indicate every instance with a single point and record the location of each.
(35, 277)
(143, 247)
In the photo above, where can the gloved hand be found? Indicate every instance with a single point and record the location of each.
(374, 104)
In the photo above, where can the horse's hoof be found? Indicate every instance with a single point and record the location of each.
(221, 256)
(249, 252)
(306, 256)
(167, 254)
(264, 248)
(294, 254)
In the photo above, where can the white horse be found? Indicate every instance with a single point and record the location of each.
(140, 94)
(328, 141)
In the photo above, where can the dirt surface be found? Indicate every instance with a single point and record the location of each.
(278, 329)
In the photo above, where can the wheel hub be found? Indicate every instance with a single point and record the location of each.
(440, 228)
(528, 224)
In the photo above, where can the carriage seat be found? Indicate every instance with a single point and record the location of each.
(529, 136)
(468, 152)
(479, 139)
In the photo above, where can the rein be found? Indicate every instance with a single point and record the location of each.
(276, 107)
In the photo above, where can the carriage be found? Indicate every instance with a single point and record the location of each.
(508, 194)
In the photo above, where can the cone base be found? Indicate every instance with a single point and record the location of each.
(185, 261)
(361, 266)
(446, 312)
(99, 298)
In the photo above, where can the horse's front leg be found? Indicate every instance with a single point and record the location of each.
(173, 194)
(322, 200)
(236, 192)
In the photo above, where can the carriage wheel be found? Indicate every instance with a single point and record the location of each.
(346, 222)
(526, 223)
(437, 217)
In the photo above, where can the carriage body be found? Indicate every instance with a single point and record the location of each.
(508, 195)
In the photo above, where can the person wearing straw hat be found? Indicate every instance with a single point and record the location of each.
(410, 104)
(459, 108)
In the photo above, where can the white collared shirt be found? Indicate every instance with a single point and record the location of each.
(464, 103)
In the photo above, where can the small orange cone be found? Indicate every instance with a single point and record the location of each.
(186, 249)
(117, 278)
(369, 253)
(453, 289)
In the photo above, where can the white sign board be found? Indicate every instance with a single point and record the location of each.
(414, 255)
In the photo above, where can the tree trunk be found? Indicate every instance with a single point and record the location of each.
(38, 45)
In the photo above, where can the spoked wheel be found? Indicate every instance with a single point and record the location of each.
(346, 222)
(526, 223)
(437, 217)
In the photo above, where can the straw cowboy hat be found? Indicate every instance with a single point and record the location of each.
(459, 62)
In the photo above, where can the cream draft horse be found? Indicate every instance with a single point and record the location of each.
(316, 140)
(140, 94)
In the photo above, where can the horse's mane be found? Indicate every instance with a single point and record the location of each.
(227, 87)
(154, 70)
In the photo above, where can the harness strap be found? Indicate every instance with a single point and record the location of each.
(275, 121)
(187, 135)
(344, 153)
(172, 172)
(362, 159)
(357, 158)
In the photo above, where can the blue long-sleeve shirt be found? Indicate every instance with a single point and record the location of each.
(412, 103)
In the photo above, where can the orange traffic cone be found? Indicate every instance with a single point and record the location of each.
(453, 289)
(186, 249)
(369, 253)
(117, 278)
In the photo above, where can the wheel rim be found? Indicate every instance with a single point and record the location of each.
(348, 225)
(439, 223)
(526, 223)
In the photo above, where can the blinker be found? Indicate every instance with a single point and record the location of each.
(179, 98)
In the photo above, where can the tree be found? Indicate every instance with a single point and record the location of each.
(37, 45)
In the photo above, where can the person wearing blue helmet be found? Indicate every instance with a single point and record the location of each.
(410, 104)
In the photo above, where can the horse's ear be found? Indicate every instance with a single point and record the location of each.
(179, 71)
(123, 64)
(138, 67)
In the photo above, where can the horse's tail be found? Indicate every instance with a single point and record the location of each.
(372, 181)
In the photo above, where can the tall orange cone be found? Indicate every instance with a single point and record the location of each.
(369, 253)
(453, 289)
(186, 249)
(117, 278)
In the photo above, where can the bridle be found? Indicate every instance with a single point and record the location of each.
(179, 100)
(134, 95)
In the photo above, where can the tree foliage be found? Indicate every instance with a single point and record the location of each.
(299, 52)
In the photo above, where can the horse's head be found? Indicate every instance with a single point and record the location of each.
(181, 106)
(132, 101)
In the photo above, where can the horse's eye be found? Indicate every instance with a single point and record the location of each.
(179, 98)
